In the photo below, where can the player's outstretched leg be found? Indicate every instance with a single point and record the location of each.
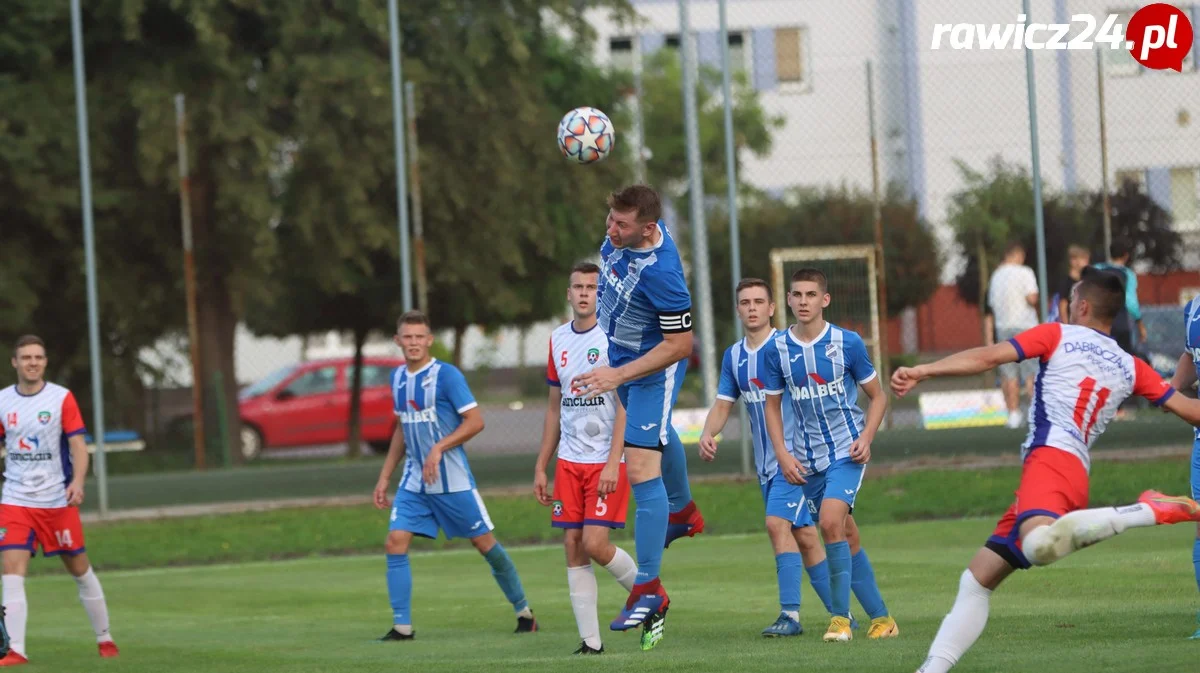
(507, 578)
(685, 519)
(967, 619)
(1083, 528)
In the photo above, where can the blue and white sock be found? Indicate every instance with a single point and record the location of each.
(399, 584)
(787, 572)
(650, 527)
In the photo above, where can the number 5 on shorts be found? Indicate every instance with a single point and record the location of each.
(601, 507)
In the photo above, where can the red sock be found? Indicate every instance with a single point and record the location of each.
(684, 515)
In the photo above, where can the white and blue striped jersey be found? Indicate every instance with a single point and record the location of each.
(742, 371)
(642, 295)
(821, 379)
(1191, 316)
(429, 404)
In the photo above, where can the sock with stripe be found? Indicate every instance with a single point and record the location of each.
(787, 572)
(399, 584)
(866, 590)
(506, 576)
(838, 556)
(818, 577)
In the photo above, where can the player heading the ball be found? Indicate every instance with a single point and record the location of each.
(646, 311)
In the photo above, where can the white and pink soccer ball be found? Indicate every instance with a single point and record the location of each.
(585, 135)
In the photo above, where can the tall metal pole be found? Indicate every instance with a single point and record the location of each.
(702, 287)
(414, 190)
(398, 132)
(735, 251)
(89, 247)
(1038, 220)
(1107, 206)
(877, 212)
(189, 283)
(638, 131)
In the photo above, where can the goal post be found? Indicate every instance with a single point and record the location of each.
(853, 286)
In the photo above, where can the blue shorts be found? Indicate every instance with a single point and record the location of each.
(648, 405)
(460, 514)
(1196, 470)
(840, 481)
(786, 501)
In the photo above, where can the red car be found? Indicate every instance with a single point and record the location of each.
(309, 404)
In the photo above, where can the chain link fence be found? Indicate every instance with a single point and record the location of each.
(842, 109)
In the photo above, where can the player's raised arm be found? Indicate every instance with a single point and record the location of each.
(1039, 341)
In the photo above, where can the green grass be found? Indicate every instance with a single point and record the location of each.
(1125, 605)
(728, 507)
(267, 481)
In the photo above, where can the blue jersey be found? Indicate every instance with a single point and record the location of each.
(641, 296)
(742, 372)
(821, 380)
(1191, 317)
(429, 404)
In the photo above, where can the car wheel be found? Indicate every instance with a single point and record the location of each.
(252, 442)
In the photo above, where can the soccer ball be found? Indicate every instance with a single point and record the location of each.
(585, 135)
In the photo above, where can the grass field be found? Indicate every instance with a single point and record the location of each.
(268, 480)
(1125, 605)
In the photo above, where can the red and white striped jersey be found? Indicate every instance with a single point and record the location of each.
(585, 425)
(1084, 377)
(37, 465)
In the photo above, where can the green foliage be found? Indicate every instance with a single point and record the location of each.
(662, 105)
(996, 206)
(829, 216)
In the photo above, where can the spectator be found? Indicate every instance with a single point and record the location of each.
(1121, 252)
(1013, 296)
(1078, 257)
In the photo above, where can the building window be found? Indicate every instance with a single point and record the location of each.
(1185, 198)
(791, 57)
(620, 53)
(672, 41)
(739, 53)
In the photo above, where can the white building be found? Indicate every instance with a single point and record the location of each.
(807, 60)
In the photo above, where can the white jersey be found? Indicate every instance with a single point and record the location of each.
(1084, 377)
(585, 426)
(37, 465)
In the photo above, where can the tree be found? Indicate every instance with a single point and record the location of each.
(997, 206)
(829, 216)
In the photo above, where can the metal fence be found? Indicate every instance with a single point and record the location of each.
(842, 110)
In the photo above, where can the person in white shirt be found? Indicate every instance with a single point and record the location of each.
(1013, 298)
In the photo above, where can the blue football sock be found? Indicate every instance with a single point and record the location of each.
(399, 583)
(674, 472)
(818, 577)
(787, 571)
(506, 576)
(1196, 560)
(838, 555)
(866, 590)
(650, 527)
